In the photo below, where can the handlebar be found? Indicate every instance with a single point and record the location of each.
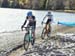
(43, 23)
(30, 27)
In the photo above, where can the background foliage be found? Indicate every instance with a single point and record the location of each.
(39, 4)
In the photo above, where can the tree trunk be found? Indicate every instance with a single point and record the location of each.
(35, 4)
(46, 6)
(5, 3)
(1, 2)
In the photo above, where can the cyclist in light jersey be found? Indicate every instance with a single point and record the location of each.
(47, 20)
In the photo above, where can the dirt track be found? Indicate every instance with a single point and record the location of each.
(63, 29)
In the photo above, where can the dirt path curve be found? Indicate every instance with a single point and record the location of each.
(21, 50)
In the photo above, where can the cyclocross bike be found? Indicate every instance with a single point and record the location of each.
(46, 31)
(28, 38)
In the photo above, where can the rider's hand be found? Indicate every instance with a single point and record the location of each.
(22, 28)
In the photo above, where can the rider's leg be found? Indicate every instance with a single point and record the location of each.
(45, 29)
(49, 30)
(33, 33)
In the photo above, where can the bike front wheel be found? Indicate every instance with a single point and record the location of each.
(26, 41)
(43, 34)
(33, 41)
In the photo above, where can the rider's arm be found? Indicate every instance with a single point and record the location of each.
(35, 24)
(34, 21)
(24, 22)
(44, 18)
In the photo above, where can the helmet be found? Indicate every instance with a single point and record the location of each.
(49, 14)
(29, 13)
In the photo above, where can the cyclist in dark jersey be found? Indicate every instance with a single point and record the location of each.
(31, 22)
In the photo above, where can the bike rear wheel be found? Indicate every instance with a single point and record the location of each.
(46, 32)
(26, 41)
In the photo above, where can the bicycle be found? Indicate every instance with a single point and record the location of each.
(46, 31)
(28, 38)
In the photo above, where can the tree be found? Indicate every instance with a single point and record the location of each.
(35, 4)
(72, 4)
(5, 3)
(59, 4)
(1, 2)
(44, 4)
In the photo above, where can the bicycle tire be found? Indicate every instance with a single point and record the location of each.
(43, 34)
(26, 42)
(49, 31)
(48, 35)
(32, 41)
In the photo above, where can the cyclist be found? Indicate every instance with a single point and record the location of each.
(48, 19)
(30, 21)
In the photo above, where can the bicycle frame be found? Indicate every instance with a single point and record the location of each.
(45, 31)
(28, 38)
(29, 32)
(48, 26)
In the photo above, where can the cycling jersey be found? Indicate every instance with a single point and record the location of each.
(49, 20)
(30, 22)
